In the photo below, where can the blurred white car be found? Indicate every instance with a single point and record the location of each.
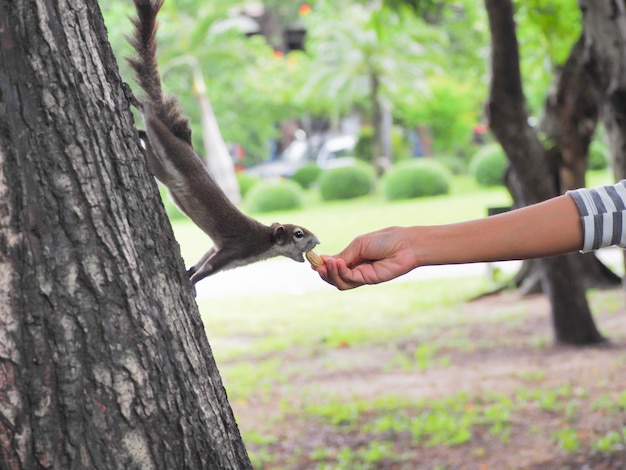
(337, 151)
(332, 152)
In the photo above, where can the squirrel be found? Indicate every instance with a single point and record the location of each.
(238, 239)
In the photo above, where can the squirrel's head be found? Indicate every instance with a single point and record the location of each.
(293, 240)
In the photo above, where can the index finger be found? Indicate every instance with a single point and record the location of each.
(337, 273)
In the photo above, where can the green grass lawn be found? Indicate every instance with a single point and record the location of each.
(253, 325)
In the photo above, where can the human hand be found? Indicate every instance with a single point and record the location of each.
(370, 259)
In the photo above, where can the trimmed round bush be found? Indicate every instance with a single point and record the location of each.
(489, 164)
(278, 196)
(246, 181)
(416, 178)
(347, 182)
(306, 175)
(598, 156)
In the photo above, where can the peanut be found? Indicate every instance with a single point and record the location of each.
(315, 259)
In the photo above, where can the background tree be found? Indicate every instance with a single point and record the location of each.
(605, 61)
(605, 39)
(450, 100)
(547, 31)
(568, 127)
(561, 281)
(566, 109)
(359, 55)
(104, 362)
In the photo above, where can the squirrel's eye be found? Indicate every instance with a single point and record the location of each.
(298, 233)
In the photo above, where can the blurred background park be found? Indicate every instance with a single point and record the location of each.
(349, 116)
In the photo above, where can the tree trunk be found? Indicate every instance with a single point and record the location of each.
(104, 362)
(571, 316)
(570, 118)
(605, 41)
(605, 44)
(219, 161)
(568, 124)
(381, 148)
(216, 155)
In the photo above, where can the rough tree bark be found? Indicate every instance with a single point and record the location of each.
(605, 41)
(571, 317)
(569, 120)
(605, 60)
(104, 362)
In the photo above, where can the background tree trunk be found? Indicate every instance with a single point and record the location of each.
(568, 124)
(605, 43)
(562, 283)
(381, 124)
(219, 161)
(569, 120)
(605, 60)
(104, 362)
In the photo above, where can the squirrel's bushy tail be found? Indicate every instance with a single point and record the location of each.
(147, 72)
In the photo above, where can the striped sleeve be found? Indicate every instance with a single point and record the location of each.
(603, 215)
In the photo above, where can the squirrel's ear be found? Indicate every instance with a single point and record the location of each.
(279, 233)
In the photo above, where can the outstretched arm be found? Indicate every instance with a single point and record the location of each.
(545, 229)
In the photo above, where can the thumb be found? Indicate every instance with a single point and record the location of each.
(351, 254)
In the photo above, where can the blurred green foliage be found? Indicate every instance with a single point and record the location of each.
(546, 30)
(429, 60)
(450, 108)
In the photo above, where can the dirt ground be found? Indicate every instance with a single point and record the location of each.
(498, 354)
